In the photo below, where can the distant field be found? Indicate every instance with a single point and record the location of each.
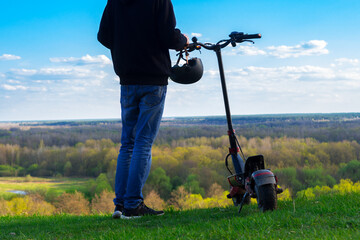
(21, 126)
(326, 217)
(8, 125)
(33, 184)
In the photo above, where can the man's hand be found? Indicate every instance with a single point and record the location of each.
(187, 39)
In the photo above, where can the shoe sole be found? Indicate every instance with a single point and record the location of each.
(130, 217)
(134, 217)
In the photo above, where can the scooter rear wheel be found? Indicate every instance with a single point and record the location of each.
(266, 197)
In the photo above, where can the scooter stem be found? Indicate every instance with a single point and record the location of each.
(224, 90)
(237, 161)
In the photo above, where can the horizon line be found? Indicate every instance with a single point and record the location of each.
(172, 117)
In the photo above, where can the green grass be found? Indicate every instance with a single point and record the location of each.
(327, 217)
(34, 184)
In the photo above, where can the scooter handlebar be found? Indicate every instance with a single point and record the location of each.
(240, 36)
(237, 37)
(192, 46)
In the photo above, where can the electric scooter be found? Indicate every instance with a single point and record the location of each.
(250, 179)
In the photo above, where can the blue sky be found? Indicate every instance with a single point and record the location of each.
(52, 67)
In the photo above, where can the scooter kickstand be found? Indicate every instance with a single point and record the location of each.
(243, 200)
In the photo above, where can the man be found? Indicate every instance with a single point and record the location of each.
(139, 34)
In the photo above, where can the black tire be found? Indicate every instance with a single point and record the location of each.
(266, 197)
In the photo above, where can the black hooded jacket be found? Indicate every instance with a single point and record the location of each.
(139, 34)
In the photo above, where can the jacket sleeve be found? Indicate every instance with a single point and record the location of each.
(105, 34)
(170, 37)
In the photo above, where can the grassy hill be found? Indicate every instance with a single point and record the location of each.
(325, 217)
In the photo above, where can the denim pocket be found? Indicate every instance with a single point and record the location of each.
(155, 95)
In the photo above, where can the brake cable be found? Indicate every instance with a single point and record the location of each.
(180, 54)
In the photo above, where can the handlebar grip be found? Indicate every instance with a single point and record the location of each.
(240, 36)
(252, 36)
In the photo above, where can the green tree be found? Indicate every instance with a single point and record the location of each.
(192, 185)
(102, 184)
(315, 177)
(67, 168)
(176, 181)
(351, 171)
(97, 186)
(160, 182)
(6, 171)
(288, 178)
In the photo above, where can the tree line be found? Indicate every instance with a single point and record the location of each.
(193, 163)
(321, 127)
(47, 203)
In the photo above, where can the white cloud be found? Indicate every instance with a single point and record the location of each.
(304, 88)
(57, 73)
(311, 48)
(346, 61)
(85, 60)
(212, 73)
(246, 50)
(63, 89)
(9, 57)
(196, 35)
(72, 76)
(13, 81)
(13, 88)
(295, 73)
(116, 79)
(295, 81)
(21, 72)
(252, 89)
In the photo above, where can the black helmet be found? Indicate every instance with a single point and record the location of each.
(190, 72)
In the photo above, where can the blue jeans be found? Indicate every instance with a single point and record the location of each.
(141, 111)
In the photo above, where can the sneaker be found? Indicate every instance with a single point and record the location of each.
(118, 211)
(140, 211)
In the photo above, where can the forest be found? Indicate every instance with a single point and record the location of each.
(304, 151)
(322, 127)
